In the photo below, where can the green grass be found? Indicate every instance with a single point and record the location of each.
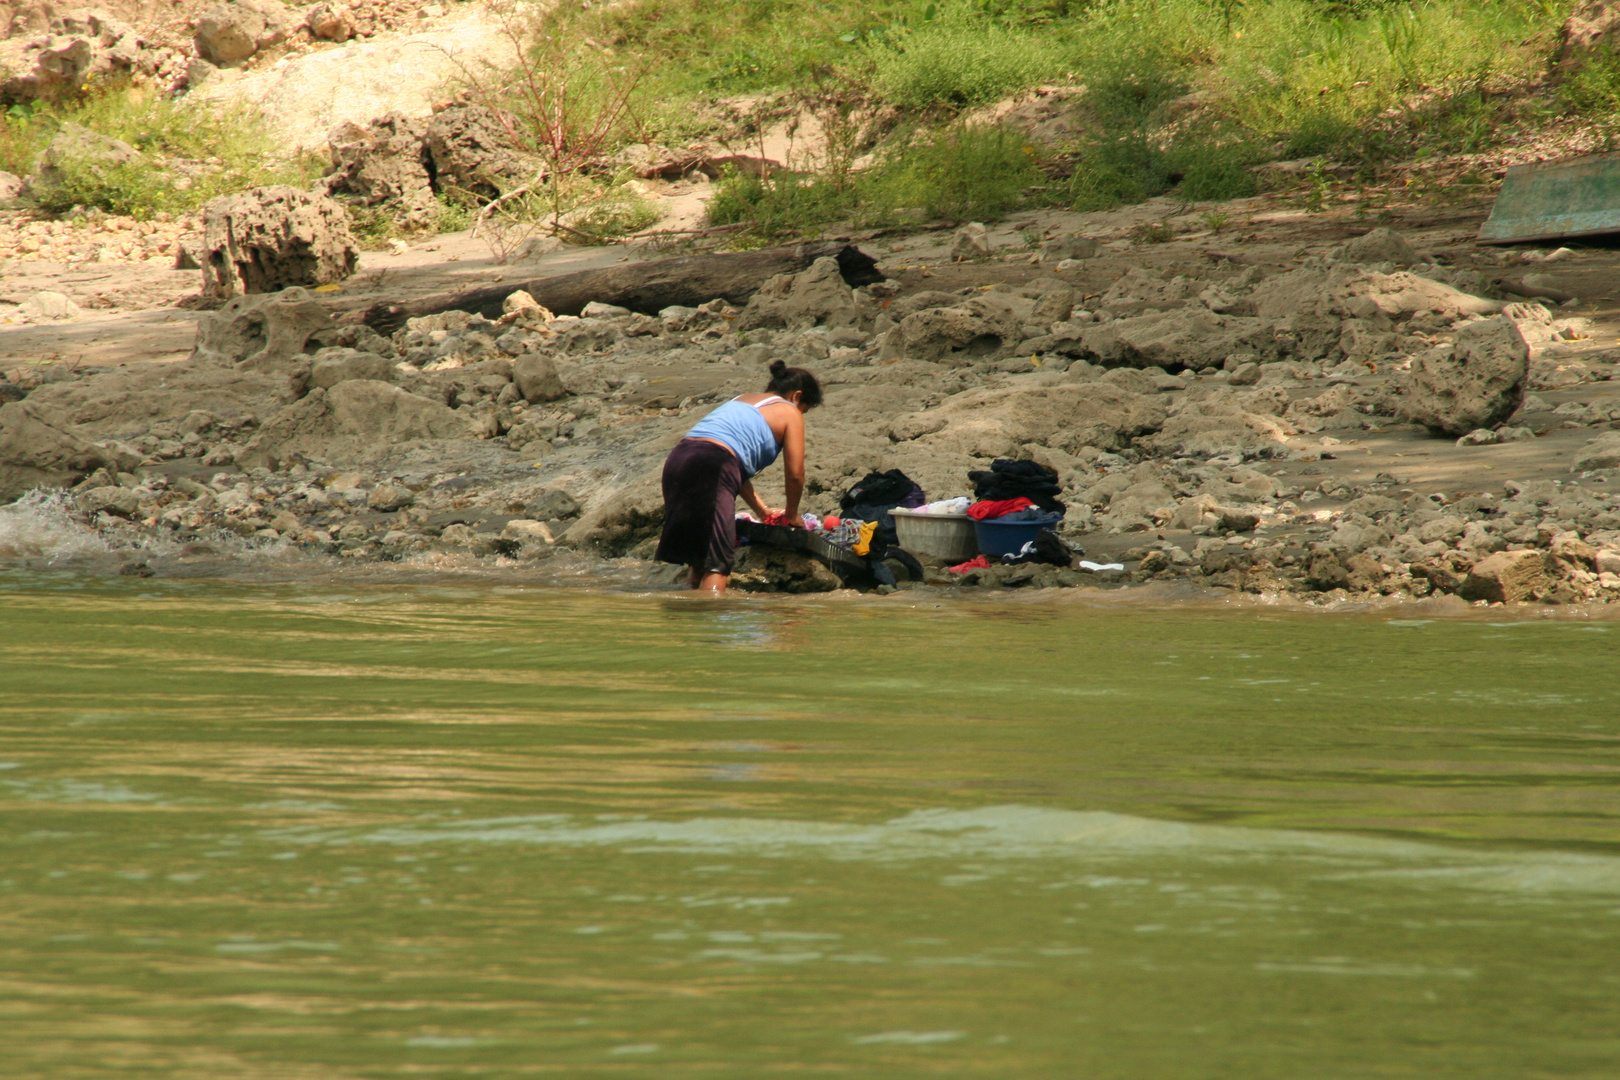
(958, 173)
(1368, 82)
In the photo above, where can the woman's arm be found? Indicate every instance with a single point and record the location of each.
(755, 503)
(793, 463)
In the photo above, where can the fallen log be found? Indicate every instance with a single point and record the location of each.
(647, 287)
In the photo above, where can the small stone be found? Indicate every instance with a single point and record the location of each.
(536, 378)
(598, 310)
(524, 530)
(48, 305)
(388, 496)
(1480, 437)
(111, 500)
(520, 302)
(971, 241)
(330, 22)
(1244, 375)
(1070, 249)
(553, 505)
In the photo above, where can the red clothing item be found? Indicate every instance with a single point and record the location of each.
(978, 562)
(781, 519)
(983, 511)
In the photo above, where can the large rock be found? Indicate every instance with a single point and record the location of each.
(383, 164)
(976, 328)
(274, 237)
(234, 30)
(1139, 288)
(83, 48)
(262, 333)
(1476, 382)
(1213, 427)
(537, 379)
(1185, 338)
(473, 149)
(76, 150)
(38, 449)
(331, 366)
(354, 421)
(1352, 292)
(761, 568)
(816, 296)
(618, 516)
(1506, 577)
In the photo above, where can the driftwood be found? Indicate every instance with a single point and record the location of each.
(647, 287)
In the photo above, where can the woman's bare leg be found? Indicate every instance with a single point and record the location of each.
(713, 583)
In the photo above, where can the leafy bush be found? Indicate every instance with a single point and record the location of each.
(962, 173)
(780, 205)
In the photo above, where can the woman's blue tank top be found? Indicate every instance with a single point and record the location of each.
(740, 427)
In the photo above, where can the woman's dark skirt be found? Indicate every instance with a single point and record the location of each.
(701, 482)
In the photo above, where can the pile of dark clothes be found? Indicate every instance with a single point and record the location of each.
(871, 499)
(1009, 479)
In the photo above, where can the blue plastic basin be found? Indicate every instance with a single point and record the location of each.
(997, 538)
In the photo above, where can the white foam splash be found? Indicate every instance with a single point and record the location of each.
(42, 525)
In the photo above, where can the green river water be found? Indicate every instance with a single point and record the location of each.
(318, 831)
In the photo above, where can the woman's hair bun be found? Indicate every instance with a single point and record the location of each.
(778, 367)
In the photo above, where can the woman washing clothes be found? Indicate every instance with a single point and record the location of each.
(717, 461)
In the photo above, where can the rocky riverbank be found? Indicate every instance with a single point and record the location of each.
(1365, 420)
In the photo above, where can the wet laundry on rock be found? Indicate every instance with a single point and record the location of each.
(845, 533)
(978, 562)
(874, 495)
